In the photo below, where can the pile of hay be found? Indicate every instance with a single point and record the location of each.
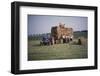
(79, 41)
(82, 41)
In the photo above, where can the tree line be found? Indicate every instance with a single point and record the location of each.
(77, 34)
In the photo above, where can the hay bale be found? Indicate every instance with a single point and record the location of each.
(82, 41)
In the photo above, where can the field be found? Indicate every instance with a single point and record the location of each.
(57, 51)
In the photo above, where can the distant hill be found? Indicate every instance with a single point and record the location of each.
(81, 34)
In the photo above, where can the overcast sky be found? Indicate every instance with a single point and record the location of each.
(38, 24)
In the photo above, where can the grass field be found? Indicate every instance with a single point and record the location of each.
(57, 51)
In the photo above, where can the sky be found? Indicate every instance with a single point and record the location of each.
(39, 24)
